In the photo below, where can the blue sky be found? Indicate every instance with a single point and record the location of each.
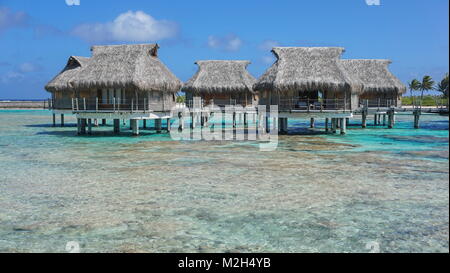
(37, 37)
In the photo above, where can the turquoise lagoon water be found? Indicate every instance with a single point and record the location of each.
(315, 193)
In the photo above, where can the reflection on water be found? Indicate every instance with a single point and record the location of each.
(318, 193)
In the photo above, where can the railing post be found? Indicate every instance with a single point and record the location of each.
(73, 107)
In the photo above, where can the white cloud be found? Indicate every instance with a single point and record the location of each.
(268, 45)
(11, 76)
(10, 19)
(268, 59)
(29, 67)
(128, 27)
(229, 42)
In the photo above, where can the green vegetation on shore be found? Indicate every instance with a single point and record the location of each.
(426, 85)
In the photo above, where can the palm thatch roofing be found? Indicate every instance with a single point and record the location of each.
(374, 75)
(307, 69)
(61, 81)
(134, 67)
(221, 76)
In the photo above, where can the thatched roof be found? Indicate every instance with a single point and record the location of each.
(61, 81)
(374, 75)
(126, 66)
(307, 69)
(221, 76)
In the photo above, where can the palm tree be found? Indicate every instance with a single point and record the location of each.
(426, 84)
(443, 86)
(414, 85)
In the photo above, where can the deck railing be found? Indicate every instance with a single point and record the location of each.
(99, 105)
(313, 105)
(378, 103)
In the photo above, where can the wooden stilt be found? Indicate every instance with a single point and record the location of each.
(390, 123)
(78, 126)
(192, 120)
(416, 119)
(158, 125)
(180, 121)
(343, 126)
(326, 125)
(103, 122)
(312, 123)
(62, 120)
(144, 125)
(135, 127)
(116, 126)
(333, 125)
(83, 126)
(364, 119)
(90, 126)
(54, 120)
(168, 124)
(384, 119)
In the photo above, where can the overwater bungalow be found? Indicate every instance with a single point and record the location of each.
(121, 82)
(309, 82)
(61, 91)
(222, 82)
(381, 89)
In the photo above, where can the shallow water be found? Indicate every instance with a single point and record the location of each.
(316, 193)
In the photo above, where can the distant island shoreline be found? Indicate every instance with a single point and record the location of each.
(23, 104)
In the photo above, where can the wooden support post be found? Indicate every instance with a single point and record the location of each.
(78, 126)
(158, 125)
(90, 126)
(245, 119)
(375, 120)
(364, 119)
(168, 124)
(131, 124)
(54, 120)
(103, 122)
(116, 126)
(390, 123)
(312, 123)
(234, 119)
(267, 123)
(202, 120)
(192, 120)
(62, 120)
(343, 126)
(83, 126)
(416, 119)
(144, 124)
(135, 127)
(333, 125)
(384, 119)
(180, 121)
(326, 124)
(348, 121)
